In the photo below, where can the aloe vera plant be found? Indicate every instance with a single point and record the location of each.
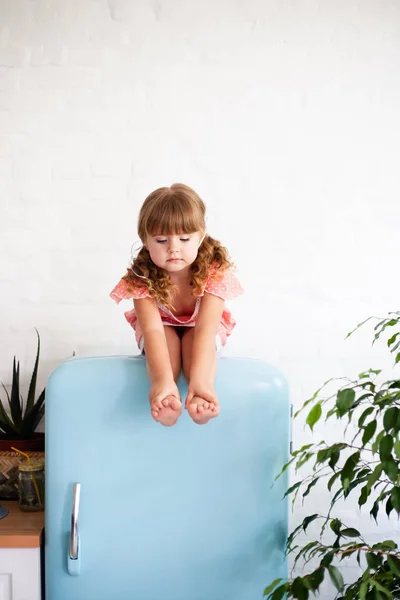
(23, 417)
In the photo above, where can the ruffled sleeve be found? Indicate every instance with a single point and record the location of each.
(121, 292)
(223, 284)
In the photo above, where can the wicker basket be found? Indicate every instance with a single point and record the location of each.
(9, 462)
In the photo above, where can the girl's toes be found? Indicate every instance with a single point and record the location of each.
(175, 404)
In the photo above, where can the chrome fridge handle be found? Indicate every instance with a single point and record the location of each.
(74, 535)
(74, 550)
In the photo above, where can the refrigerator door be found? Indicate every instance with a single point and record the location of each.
(183, 513)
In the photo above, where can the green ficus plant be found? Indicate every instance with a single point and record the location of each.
(366, 466)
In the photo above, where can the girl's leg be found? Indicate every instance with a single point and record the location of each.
(169, 410)
(174, 349)
(199, 409)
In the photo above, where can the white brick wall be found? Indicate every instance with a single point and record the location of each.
(283, 115)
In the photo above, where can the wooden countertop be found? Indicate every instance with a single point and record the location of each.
(20, 529)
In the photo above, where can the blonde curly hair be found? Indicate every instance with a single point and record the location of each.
(173, 211)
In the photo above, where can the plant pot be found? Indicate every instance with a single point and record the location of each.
(34, 444)
(9, 461)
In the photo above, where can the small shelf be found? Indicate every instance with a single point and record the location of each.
(20, 529)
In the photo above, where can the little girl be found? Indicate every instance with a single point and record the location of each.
(179, 282)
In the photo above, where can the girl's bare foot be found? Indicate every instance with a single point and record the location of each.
(202, 411)
(166, 411)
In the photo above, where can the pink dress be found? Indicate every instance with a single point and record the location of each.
(225, 285)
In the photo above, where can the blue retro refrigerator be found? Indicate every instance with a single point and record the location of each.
(138, 511)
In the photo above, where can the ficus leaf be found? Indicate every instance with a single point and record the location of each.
(365, 492)
(336, 577)
(335, 526)
(388, 507)
(385, 446)
(369, 432)
(293, 488)
(390, 468)
(392, 339)
(349, 467)
(373, 560)
(332, 480)
(364, 415)
(360, 325)
(345, 400)
(363, 590)
(310, 485)
(273, 585)
(396, 447)
(390, 418)
(394, 564)
(327, 559)
(395, 498)
(377, 441)
(299, 590)
(380, 588)
(317, 577)
(285, 466)
(373, 478)
(386, 545)
(308, 520)
(386, 323)
(334, 458)
(305, 457)
(350, 532)
(374, 511)
(314, 415)
(279, 592)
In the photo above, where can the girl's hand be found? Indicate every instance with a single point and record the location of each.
(207, 392)
(165, 402)
(202, 403)
(161, 390)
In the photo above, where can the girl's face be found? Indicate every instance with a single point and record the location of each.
(174, 252)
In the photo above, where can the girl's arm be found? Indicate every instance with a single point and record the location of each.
(203, 350)
(157, 356)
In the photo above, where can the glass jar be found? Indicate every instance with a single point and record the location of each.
(31, 487)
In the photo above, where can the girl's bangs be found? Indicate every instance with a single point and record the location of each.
(173, 220)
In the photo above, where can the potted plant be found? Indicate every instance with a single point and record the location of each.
(365, 465)
(18, 427)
